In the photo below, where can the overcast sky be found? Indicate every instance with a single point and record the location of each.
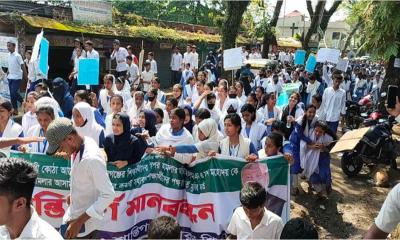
(300, 5)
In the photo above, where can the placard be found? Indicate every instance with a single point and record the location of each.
(342, 65)
(44, 56)
(328, 55)
(233, 59)
(299, 57)
(311, 62)
(36, 46)
(88, 71)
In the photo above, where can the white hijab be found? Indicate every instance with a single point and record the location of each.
(91, 128)
(48, 102)
(210, 129)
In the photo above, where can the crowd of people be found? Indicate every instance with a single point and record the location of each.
(203, 116)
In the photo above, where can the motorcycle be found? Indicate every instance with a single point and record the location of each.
(357, 112)
(377, 146)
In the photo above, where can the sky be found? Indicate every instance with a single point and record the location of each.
(300, 5)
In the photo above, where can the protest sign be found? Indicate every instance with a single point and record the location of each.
(311, 62)
(44, 56)
(299, 57)
(328, 55)
(397, 62)
(342, 65)
(233, 59)
(202, 196)
(36, 46)
(88, 71)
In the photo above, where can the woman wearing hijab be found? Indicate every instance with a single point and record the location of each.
(209, 141)
(85, 123)
(147, 123)
(121, 147)
(62, 95)
(189, 123)
(174, 134)
(291, 112)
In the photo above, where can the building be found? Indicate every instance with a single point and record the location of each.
(296, 23)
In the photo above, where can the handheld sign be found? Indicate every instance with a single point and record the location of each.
(299, 57)
(88, 71)
(328, 55)
(36, 46)
(44, 56)
(342, 65)
(233, 59)
(311, 62)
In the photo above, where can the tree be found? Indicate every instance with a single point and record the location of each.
(232, 21)
(269, 35)
(382, 36)
(319, 19)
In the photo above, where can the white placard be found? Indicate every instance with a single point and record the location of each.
(36, 46)
(233, 59)
(4, 50)
(328, 55)
(397, 62)
(342, 65)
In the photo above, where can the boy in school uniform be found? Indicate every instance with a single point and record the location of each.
(252, 220)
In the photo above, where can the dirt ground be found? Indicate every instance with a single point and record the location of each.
(351, 207)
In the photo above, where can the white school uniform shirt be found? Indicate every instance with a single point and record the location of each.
(264, 113)
(93, 54)
(164, 137)
(133, 71)
(333, 104)
(105, 100)
(187, 58)
(36, 228)
(14, 66)
(191, 91)
(147, 76)
(257, 131)
(153, 66)
(12, 130)
(28, 120)
(176, 61)
(120, 57)
(91, 190)
(37, 147)
(195, 60)
(270, 227)
(389, 215)
(186, 74)
(33, 70)
(312, 89)
(76, 65)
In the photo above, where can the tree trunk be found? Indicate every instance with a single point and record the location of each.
(269, 37)
(233, 19)
(351, 34)
(328, 14)
(392, 76)
(315, 22)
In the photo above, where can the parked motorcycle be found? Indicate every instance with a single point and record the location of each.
(377, 146)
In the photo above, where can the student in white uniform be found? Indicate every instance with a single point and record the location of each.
(270, 112)
(8, 128)
(105, 94)
(19, 220)
(29, 119)
(45, 115)
(85, 123)
(250, 128)
(119, 54)
(116, 105)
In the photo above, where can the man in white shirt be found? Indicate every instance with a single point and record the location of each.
(16, 71)
(195, 59)
(252, 220)
(388, 217)
(119, 54)
(91, 191)
(77, 44)
(333, 103)
(90, 52)
(34, 75)
(153, 63)
(133, 71)
(176, 66)
(18, 219)
(146, 76)
(187, 57)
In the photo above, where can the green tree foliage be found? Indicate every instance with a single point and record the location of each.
(208, 13)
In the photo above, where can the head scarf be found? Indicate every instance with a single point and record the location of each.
(190, 124)
(90, 128)
(151, 120)
(126, 134)
(209, 128)
(48, 102)
(60, 90)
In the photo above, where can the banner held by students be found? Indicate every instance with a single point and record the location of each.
(202, 196)
(88, 73)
